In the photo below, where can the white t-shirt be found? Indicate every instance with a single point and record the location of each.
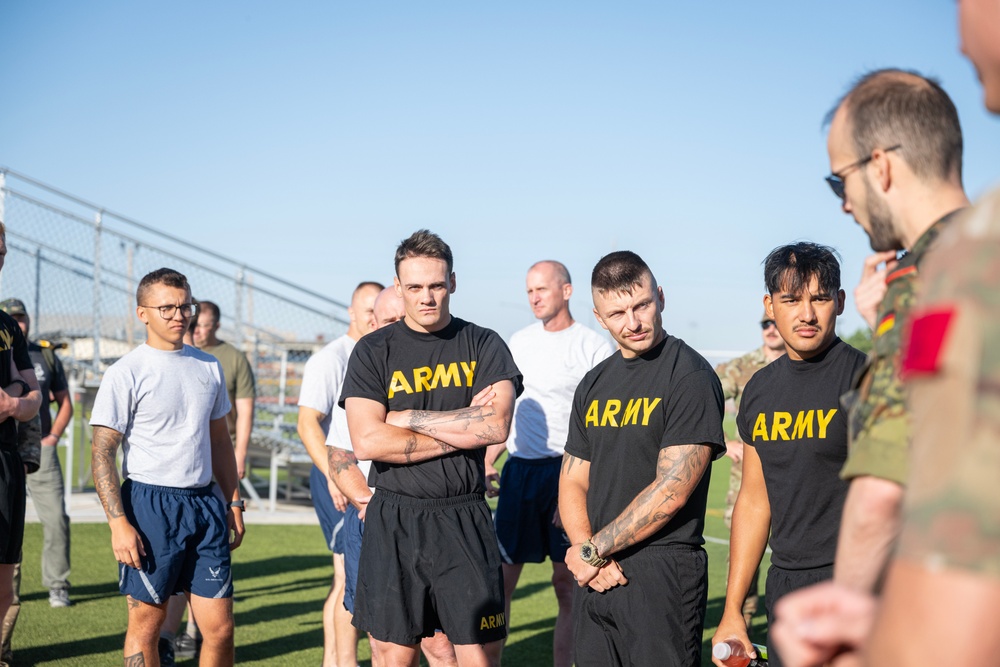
(322, 381)
(553, 363)
(162, 402)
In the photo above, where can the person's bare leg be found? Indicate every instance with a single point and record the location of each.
(479, 655)
(143, 634)
(511, 574)
(562, 637)
(396, 655)
(346, 633)
(215, 620)
(175, 612)
(329, 632)
(439, 651)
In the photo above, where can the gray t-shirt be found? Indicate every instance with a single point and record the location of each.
(162, 402)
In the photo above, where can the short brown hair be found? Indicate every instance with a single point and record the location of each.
(423, 243)
(163, 276)
(619, 272)
(891, 107)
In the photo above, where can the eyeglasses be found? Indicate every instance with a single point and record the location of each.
(766, 324)
(836, 179)
(168, 312)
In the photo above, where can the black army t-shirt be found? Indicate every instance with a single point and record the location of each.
(791, 414)
(625, 411)
(408, 370)
(12, 345)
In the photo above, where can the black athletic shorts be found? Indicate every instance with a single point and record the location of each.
(12, 498)
(529, 495)
(429, 564)
(656, 619)
(781, 582)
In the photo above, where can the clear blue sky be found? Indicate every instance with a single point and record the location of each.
(307, 138)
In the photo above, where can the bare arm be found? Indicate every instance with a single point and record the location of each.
(678, 471)
(348, 478)
(748, 540)
(466, 428)
(936, 615)
(574, 482)
(493, 452)
(375, 440)
(125, 540)
(23, 407)
(244, 425)
(224, 471)
(868, 531)
(62, 418)
(310, 430)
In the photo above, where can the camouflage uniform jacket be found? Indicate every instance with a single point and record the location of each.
(951, 368)
(878, 423)
(735, 373)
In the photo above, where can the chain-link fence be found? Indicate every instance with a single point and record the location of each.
(76, 266)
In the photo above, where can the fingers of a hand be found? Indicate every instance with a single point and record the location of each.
(872, 261)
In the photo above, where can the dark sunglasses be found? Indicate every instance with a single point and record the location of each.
(766, 324)
(836, 179)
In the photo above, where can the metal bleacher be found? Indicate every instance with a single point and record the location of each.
(76, 264)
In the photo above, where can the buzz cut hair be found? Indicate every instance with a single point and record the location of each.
(368, 283)
(619, 271)
(561, 271)
(895, 107)
(790, 268)
(164, 276)
(424, 243)
(208, 307)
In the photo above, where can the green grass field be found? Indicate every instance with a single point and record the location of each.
(282, 576)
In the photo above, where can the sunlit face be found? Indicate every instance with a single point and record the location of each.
(161, 333)
(772, 339)
(634, 320)
(861, 200)
(204, 329)
(362, 310)
(978, 22)
(548, 295)
(426, 288)
(389, 308)
(807, 320)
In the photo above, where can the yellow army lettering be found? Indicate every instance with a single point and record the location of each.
(425, 378)
(493, 621)
(596, 417)
(7, 339)
(801, 427)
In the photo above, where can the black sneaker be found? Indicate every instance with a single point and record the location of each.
(166, 651)
(186, 646)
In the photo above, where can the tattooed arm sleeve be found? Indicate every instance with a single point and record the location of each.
(467, 428)
(344, 472)
(375, 440)
(678, 471)
(105, 446)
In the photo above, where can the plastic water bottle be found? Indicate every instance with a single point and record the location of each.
(732, 654)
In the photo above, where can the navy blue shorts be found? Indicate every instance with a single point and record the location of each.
(354, 530)
(529, 495)
(331, 520)
(186, 538)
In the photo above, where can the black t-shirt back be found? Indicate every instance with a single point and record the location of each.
(12, 346)
(625, 411)
(51, 378)
(408, 370)
(792, 415)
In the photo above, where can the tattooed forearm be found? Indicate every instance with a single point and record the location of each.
(678, 471)
(136, 660)
(106, 481)
(412, 444)
(568, 463)
(340, 460)
(428, 422)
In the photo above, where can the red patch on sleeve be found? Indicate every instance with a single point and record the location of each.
(928, 329)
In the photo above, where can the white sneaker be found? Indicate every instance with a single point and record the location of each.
(59, 597)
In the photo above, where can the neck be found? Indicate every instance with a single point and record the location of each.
(770, 355)
(160, 344)
(559, 321)
(354, 333)
(926, 207)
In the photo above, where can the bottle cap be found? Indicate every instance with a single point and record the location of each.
(722, 651)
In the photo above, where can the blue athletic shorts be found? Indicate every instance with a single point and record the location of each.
(331, 520)
(354, 530)
(529, 495)
(186, 538)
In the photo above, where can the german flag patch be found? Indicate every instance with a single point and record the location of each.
(922, 350)
(886, 325)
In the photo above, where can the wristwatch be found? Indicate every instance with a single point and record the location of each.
(25, 389)
(239, 504)
(588, 554)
